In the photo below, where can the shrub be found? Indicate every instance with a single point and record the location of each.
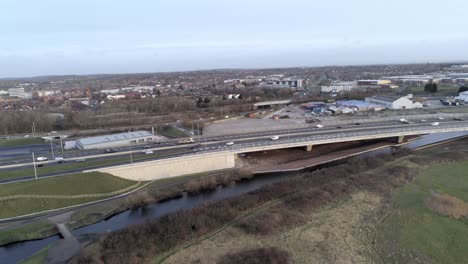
(271, 255)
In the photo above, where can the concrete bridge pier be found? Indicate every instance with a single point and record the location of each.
(400, 139)
(309, 148)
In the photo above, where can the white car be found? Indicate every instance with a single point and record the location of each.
(441, 118)
(58, 158)
(149, 151)
(435, 124)
(230, 143)
(274, 138)
(319, 126)
(41, 159)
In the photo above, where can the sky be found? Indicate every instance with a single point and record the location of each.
(55, 37)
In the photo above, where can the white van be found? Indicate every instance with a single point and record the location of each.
(274, 138)
(230, 143)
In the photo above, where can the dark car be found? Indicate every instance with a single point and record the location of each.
(147, 146)
(339, 127)
(357, 124)
(458, 119)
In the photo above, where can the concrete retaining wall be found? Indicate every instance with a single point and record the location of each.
(172, 167)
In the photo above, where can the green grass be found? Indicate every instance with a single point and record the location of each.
(74, 184)
(173, 132)
(56, 168)
(39, 257)
(20, 142)
(92, 182)
(412, 227)
(27, 232)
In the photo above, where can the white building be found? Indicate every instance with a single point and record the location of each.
(110, 91)
(463, 97)
(20, 93)
(114, 140)
(391, 102)
(337, 88)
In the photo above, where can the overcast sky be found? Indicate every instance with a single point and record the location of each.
(116, 36)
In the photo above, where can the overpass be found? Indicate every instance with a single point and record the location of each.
(223, 157)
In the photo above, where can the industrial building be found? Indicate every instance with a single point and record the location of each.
(20, 93)
(373, 82)
(392, 102)
(463, 97)
(338, 87)
(114, 140)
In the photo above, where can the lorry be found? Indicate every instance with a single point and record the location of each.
(186, 141)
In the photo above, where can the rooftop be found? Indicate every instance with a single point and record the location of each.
(114, 137)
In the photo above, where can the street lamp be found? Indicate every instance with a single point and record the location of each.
(34, 165)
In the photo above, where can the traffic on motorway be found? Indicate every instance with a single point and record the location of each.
(173, 149)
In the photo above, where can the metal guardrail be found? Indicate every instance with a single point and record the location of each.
(378, 133)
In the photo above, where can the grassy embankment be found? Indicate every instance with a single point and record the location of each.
(38, 258)
(20, 142)
(57, 168)
(30, 231)
(414, 229)
(95, 186)
(95, 213)
(172, 132)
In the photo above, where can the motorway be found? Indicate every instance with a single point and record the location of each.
(172, 149)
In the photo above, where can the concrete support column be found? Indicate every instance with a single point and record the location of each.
(309, 148)
(401, 139)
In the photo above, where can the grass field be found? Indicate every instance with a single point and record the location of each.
(74, 184)
(172, 132)
(20, 142)
(27, 232)
(93, 182)
(74, 166)
(412, 229)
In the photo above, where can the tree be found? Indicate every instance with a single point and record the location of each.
(431, 88)
(463, 89)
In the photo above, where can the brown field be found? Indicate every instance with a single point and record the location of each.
(447, 205)
(334, 234)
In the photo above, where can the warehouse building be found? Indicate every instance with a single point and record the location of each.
(114, 140)
(391, 102)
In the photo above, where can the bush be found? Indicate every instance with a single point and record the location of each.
(271, 255)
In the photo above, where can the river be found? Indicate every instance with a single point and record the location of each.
(22, 250)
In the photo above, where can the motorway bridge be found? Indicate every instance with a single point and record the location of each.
(303, 137)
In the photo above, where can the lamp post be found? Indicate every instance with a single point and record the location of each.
(34, 165)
